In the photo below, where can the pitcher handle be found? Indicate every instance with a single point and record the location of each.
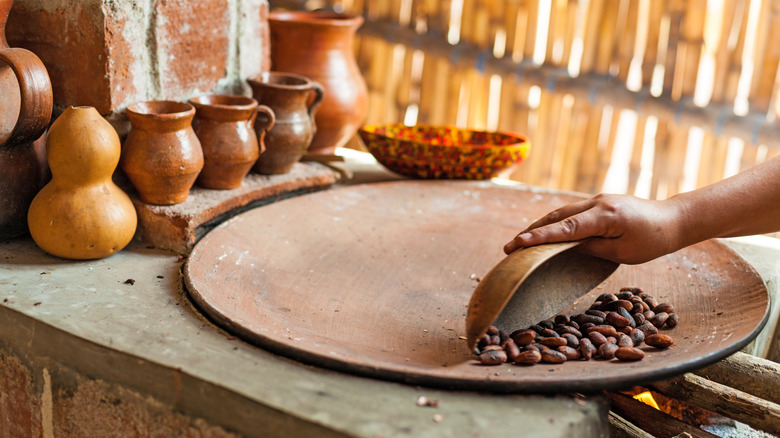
(319, 93)
(268, 123)
(35, 94)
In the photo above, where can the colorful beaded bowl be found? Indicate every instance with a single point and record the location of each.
(440, 152)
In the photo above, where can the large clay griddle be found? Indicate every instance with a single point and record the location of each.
(375, 280)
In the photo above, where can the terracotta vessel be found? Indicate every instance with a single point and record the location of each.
(224, 125)
(319, 46)
(25, 111)
(81, 213)
(162, 156)
(294, 100)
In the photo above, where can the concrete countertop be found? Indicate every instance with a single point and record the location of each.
(126, 322)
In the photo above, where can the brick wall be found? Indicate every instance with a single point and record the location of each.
(111, 53)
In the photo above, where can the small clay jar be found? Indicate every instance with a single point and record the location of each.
(288, 95)
(224, 125)
(162, 156)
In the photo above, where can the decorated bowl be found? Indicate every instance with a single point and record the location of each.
(442, 152)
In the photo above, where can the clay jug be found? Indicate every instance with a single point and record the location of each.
(25, 112)
(162, 156)
(81, 213)
(319, 46)
(287, 95)
(224, 125)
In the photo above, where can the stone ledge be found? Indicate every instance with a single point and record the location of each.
(178, 227)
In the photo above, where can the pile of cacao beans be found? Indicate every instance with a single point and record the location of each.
(614, 327)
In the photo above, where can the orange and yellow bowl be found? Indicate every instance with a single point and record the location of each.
(442, 152)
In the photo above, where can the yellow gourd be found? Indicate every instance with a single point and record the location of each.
(81, 213)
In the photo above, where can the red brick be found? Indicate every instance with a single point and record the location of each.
(112, 54)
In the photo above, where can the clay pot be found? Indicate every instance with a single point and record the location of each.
(319, 46)
(25, 111)
(162, 156)
(81, 213)
(224, 126)
(287, 95)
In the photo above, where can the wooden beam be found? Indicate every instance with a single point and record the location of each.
(721, 399)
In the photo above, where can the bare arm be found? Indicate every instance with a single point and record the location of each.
(627, 229)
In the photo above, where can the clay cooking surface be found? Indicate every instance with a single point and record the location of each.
(375, 280)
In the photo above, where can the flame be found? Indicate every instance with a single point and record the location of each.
(647, 398)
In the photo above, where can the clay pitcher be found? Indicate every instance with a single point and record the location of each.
(319, 46)
(162, 156)
(294, 100)
(224, 125)
(25, 111)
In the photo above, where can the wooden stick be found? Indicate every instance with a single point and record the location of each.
(721, 399)
(648, 418)
(619, 427)
(747, 373)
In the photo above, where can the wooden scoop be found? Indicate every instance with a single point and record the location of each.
(532, 284)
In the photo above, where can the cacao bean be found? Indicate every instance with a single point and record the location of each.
(553, 341)
(561, 319)
(622, 341)
(607, 350)
(571, 340)
(606, 330)
(511, 349)
(629, 354)
(553, 356)
(597, 338)
(587, 350)
(528, 357)
(569, 352)
(671, 322)
(659, 341)
(493, 357)
(637, 336)
(617, 320)
(663, 307)
(524, 337)
(595, 312)
(648, 328)
(660, 319)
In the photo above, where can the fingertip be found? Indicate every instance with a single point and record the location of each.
(517, 243)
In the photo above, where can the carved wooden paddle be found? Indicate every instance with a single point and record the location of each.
(532, 284)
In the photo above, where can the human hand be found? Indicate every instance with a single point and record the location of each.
(621, 228)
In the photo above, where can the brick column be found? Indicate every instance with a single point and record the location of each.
(111, 53)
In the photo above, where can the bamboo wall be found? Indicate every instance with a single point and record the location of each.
(648, 97)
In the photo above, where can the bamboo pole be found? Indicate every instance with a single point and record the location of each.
(626, 37)
(587, 181)
(651, 55)
(767, 56)
(599, 89)
(635, 162)
(576, 145)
